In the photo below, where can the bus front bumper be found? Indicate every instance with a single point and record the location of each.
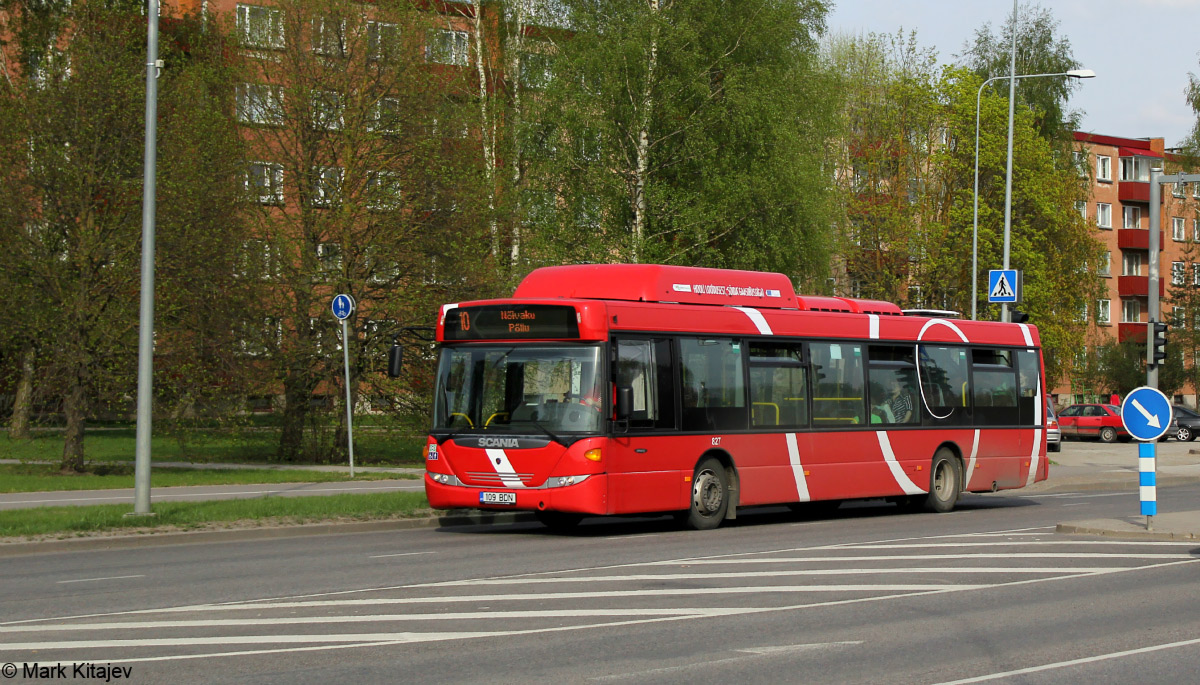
(588, 497)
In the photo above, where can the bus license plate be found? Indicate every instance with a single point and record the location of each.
(497, 498)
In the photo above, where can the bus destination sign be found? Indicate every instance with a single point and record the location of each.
(508, 322)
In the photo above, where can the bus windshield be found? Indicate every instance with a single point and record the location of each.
(519, 389)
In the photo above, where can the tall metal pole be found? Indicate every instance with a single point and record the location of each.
(1012, 92)
(1153, 315)
(145, 385)
(349, 406)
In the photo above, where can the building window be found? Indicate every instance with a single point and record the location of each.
(1178, 228)
(1103, 168)
(385, 116)
(1196, 274)
(1081, 207)
(536, 70)
(1079, 159)
(258, 259)
(1177, 190)
(447, 47)
(264, 183)
(258, 103)
(383, 190)
(1103, 215)
(383, 41)
(327, 108)
(1135, 169)
(1104, 311)
(260, 27)
(1178, 317)
(1196, 228)
(1131, 264)
(1106, 264)
(1131, 311)
(329, 37)
(327, 186)
(1133, 217)
(329, 256)
(1178, 273)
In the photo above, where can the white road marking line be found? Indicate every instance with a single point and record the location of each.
(448, 636)
(645, 577)
(401, 554)
(750, 653)
(89, 580)
(1074, 662)
(368, 618)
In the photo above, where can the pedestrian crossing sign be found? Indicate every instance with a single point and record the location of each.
(1004, 285)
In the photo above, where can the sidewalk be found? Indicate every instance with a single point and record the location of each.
(1094, 466)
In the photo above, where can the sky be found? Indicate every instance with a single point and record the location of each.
(1141, 51)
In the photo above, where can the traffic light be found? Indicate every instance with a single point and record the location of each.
(1158, 342)
(1019, 316)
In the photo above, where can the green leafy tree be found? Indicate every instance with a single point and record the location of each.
(1040, 50)
(1053, 246)
(361, 179)
(689, 133)
(891, 122)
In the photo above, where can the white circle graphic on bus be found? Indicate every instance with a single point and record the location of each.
(917, 350)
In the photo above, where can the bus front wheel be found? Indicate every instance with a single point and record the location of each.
(945, 482)
(710, 495)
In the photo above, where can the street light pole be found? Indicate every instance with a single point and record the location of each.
(1073, 73)
(1012, 102)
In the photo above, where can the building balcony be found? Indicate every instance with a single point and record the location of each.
(1139, 286)
(1133, 191)
(1136, 239)
(1131, 332)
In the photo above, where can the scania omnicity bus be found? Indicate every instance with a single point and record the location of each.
(613, 389)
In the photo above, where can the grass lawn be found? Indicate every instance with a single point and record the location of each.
(256, 445)
(45, 477)
(71, 521)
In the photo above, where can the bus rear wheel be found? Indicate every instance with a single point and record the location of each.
(710, 495)
(945, 482)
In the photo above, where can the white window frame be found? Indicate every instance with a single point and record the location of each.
(1131, 217)
(1131, 310)
(260, 27)
(1079, 159)
(329, 259)
(1178, 228)
(1177, 190)
(383, 41)
(385, 116)
(329, 36)
(269, 193)
(1196, 274)
(1104, 311)
(1178, 273)
(328, 110)
(1081, 207)
(1103, 215)
(326, 185)
(1196, 228)
(259, 103)
(383, 190)
(447, 46)
(1106, 264)
(1103, 168)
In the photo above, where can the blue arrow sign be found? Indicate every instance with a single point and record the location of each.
(1004, 285)
(1146, 413)
(343, 307)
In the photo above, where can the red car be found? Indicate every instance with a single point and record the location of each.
(1092, 421)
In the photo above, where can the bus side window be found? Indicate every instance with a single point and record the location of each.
(944, 384)
(778, 385)
(1029, 371)
(714, 393)
(645, 367)
(838, 385)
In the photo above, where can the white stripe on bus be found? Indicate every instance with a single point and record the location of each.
(498, 460)
(902, 479)
(797, 467)
(757, 319)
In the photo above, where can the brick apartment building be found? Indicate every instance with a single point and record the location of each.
(1119, 209)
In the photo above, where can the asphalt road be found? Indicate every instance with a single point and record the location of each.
(988, 593)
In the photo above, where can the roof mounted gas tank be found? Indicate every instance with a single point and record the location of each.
(660, 283)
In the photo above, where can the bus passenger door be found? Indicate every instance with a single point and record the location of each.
(644, 471)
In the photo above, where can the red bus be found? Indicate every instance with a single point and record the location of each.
(635, 388)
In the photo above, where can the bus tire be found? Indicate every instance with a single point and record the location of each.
(558, 521)
(945, 482)
(710, 495)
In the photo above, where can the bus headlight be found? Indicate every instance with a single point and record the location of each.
(564, 481)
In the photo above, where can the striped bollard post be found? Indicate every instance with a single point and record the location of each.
(1146, 482)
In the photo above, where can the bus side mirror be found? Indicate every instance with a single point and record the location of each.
(624, 402)
(395, 360)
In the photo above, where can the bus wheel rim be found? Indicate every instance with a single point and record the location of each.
(707, 495)
(941, 481)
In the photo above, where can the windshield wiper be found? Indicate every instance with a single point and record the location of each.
(553, 437)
